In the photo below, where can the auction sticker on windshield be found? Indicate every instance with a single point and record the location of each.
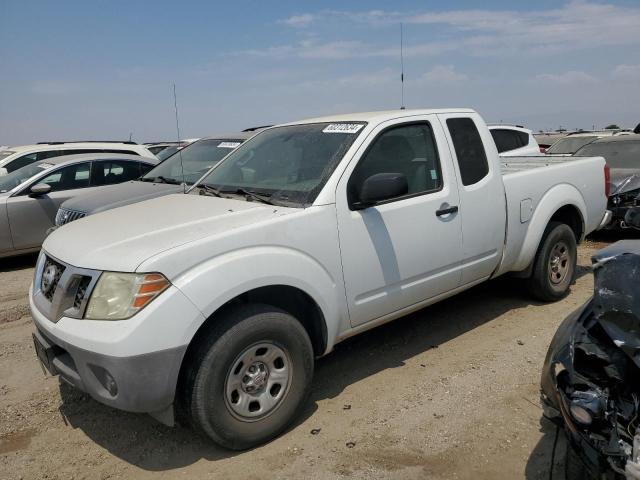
(342, 128)
(228, 144)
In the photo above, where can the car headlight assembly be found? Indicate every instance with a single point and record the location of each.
(118, 296)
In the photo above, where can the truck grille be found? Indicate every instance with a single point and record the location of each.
(65, 216)
(81, 292)
(60, 289)
(51, 274)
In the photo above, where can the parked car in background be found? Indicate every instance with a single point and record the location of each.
(622, 154)
(31, 195)
(170, 150)
(217, 302)
(589, 383)
(546, 139)
(572, 142)
(514, 140)
(14, 158)
(157, 147)
(173, 175)
(163, 150)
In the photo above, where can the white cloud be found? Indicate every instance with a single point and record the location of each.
(574, 26)
(626, 73)
(444, 74)
(568, 78)
(299, 21)
(310, 49)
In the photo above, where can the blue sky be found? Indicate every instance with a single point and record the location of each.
(104, 69)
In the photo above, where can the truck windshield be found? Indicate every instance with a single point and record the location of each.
(194, 159)
(618, 154)
(570, 145)
(288, 165)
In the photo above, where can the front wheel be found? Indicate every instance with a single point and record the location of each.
(253, 376)
(555, 263)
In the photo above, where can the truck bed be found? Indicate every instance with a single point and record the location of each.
(527, 180)
(518, 164)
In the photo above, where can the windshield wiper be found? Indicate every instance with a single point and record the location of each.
(250, 194)
(160, 179)
(209, 190)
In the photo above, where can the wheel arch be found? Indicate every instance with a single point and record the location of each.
(564, 204)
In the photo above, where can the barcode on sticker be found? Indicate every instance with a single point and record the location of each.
(228, 144)
(342, 128)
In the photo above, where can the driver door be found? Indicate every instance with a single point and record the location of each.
(31, 217)
(402, 251)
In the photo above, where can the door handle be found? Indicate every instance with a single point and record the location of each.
(446, 211)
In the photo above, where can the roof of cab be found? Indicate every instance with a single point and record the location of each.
(380, 116)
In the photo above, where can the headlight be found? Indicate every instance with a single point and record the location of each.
(118, 296)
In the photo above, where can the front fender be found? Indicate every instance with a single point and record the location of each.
(554, 199)
(222, 278)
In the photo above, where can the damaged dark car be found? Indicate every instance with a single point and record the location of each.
(591, 376)
(622, 154)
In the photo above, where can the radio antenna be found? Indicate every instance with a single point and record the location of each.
(401, 71)
(175, 106)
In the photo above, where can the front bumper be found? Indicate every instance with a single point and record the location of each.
(141, 356)
(142, 383)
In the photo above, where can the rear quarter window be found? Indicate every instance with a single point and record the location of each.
(472, 158)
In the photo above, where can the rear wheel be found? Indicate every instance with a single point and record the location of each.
(253, 376)
(555, 264)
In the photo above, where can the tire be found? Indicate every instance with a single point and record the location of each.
(558, 245)
(235, 406)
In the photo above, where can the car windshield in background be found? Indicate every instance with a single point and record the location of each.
(618, 154)
(167, 152)
(288, 165)
(194, 159)
(570, 145)
(21, 175)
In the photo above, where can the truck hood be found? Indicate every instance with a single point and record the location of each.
(115, 196)
(122, 238)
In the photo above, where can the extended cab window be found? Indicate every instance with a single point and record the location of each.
(407, 149)
(472, 159)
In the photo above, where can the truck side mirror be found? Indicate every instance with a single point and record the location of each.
(380, 187)
(39, 189)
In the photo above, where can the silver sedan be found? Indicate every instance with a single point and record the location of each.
(30, 196)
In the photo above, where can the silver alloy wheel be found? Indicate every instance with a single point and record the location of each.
(257, 381)
(559, 263)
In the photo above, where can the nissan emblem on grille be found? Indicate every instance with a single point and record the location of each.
(48, 277)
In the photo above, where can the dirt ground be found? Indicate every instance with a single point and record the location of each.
(448, 392)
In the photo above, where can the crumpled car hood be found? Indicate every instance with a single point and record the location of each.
(616, 300)
(624, 180)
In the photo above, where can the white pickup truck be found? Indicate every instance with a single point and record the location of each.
(212, 305)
